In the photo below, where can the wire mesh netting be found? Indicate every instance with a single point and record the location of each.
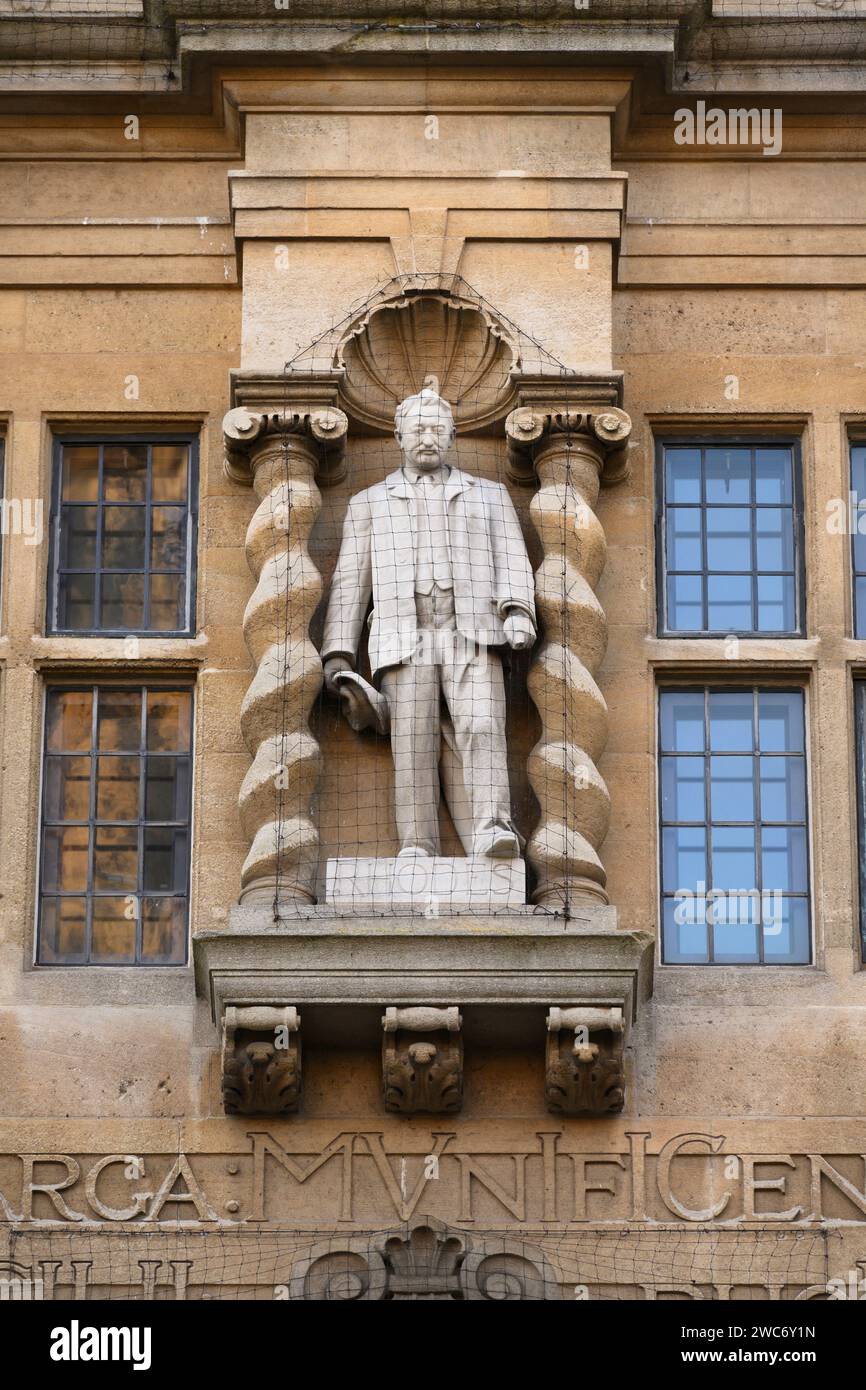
(427, 1259)
(427, 625)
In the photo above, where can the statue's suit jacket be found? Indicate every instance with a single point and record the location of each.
(489, 566)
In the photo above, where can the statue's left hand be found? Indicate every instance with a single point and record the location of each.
(519, 631)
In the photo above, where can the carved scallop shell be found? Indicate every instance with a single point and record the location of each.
(398, 347)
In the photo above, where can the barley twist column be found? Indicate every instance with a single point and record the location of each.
(567, 451)
(281, 453)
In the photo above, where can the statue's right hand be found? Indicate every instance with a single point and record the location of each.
(333, 666)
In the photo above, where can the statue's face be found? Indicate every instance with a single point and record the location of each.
(426, 435)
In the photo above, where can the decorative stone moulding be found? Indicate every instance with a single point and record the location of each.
(483, 971)
(282, 451)
(423, 1259)
(422, 1060)
(261, 1060)
(584, 1072)
(455, 344)
(566, 450)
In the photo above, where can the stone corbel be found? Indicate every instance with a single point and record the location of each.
(584, 1066)
(422, 1060)
(261, 1060)
(282, 452)
(568, 451)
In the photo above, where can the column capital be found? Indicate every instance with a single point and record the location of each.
(251, 434)
(533, 430)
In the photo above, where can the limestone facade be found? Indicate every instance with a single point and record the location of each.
(295, 229)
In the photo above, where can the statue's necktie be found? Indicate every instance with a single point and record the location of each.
(433, 560)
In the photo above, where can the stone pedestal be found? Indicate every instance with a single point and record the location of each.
(431, 885)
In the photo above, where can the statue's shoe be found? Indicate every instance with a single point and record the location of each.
(502, 845)
(414, 852)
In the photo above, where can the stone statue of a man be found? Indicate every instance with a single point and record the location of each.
(443, 557)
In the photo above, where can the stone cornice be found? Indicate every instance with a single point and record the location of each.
(801, 51)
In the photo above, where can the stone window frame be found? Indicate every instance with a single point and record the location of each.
(108, 437)
(99, 681)
(704, 439)
(764, 683)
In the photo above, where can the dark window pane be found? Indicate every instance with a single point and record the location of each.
(114, 931)
(683, 475)
(124, 472)
(123, 537)
(167, 789)
(775, 603)
(729, 603)
(774, 538)
(117, 788)
(748, 904)
(735, 936)
(683, 790)
(685, 603)
(780, 721)
(167, 599)
(786, 938)
(783, 789)
(69, 720)
(168, 538)
(63, 931)
(80, 473)
(732, 788)
(726, 548)
(115, 858)
(122, 602)
(729, 538)
(733, 858)
(682, 721)
(773, 475)
(119, 721)
(169, 715)
(122, 566)
(164, 861)
(684, 539)
(860, 608)
(685, 932)
(685, 858)
(783, 850)
(729, 475)
(131, 878)
(78, 538)
(170, 472)
(75, 601)
(67, 788)
(64, 859)
(731, 721)
(163, 937)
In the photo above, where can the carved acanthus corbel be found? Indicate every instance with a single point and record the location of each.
(261, 1060)
(568, 451)
(584, 1071)
(282, 452)
(422, 1060)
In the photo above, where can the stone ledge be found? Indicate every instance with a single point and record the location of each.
(518, 959)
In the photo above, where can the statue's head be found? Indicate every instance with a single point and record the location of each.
(424, 429)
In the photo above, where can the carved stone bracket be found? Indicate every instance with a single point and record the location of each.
(261, 1060)
(423, 1259)
(422, 1060)
(584, 1071)
(568, 451)
(282, 451)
